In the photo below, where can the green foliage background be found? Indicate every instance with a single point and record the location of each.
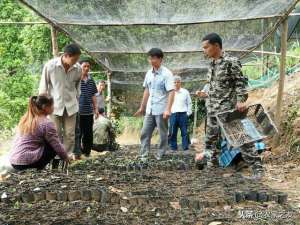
(24, 49)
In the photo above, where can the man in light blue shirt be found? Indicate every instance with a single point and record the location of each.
(157, 99)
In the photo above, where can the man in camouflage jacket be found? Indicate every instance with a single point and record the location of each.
(226, 91)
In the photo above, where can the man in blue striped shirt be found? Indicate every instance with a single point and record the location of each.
(87, 109)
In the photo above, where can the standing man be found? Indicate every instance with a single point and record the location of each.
(87, 110)
(226, 91)
(61, 80)
(100, 95)
(157, 100)
(181, 109)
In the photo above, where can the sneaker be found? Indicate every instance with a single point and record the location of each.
(76, 157)
(144, 159)
(158, 157)
(173, 150)
(87, 155)
(214, 163)
(204, 163)
(257, 175)
(241, 165)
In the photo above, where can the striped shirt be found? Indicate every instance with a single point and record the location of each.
(28, 149)
(88, 90)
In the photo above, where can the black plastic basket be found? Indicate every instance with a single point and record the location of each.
(246, 127)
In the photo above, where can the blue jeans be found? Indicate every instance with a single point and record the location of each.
(179, 120)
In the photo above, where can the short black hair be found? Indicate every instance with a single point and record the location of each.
(213, 38)
(81, 61)
(72, 49)
(156, 52)
(101, 110)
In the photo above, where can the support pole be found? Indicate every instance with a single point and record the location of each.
(262, 51)
(195, 118)
(283, 50)
(109, 94)
(55, 50)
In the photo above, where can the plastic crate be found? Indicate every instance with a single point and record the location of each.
(246, 127)
(228, 154)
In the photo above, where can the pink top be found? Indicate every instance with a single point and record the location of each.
(28, 149)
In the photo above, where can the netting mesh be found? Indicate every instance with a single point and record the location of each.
(156, 11)
(118, 33)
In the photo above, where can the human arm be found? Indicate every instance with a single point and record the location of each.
(240, 85)
(51, 137)
(170, 87)
(44, 82)
(167, 111)
(145, 98)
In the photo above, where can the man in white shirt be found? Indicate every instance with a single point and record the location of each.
(61, 79)
(181, 109)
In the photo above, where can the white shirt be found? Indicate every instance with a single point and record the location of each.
(182, 102)
(63, 87)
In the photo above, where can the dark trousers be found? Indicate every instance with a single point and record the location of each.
(179, 120)
(86, 133)
(47, 156)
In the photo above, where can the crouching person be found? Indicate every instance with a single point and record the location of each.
(37, 141)
(103, 134)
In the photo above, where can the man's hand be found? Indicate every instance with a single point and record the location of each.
(96, 113)
(199, 156)
(241, 106)
(69, 159)
(140, 112)
(201, 94)
(166, 114)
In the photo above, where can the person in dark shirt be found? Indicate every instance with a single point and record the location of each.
(87, 109)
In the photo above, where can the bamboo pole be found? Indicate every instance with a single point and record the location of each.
(195, 51)
(262, 51)
(55, 50)
(136, 24)
(283, 50)
(4, 23)
(101, 24)
(109, 94)
(195, 118)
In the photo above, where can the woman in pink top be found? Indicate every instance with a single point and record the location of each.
(37, 141)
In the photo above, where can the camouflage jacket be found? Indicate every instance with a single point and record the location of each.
(227, 85)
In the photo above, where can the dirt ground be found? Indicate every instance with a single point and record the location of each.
(115, 188)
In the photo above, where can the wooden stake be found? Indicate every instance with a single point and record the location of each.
(195, 118)
(283, 49)
(109, 94)
(262, 51)
(55, 50)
